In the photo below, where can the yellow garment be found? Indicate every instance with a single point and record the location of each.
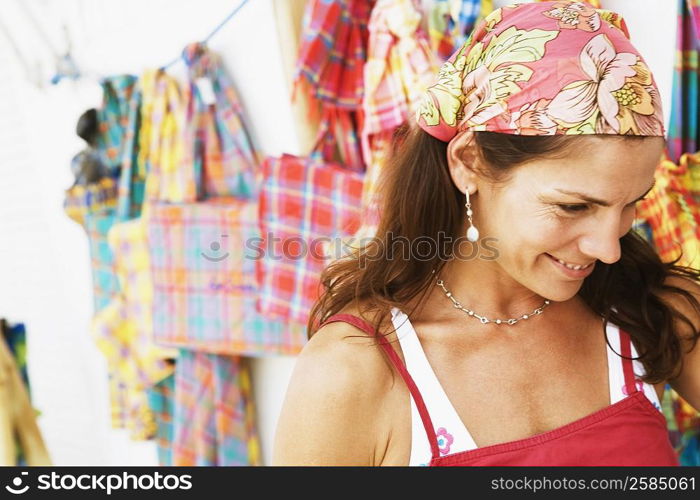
(124, 329)
(17, 417)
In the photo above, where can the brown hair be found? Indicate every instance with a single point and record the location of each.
(634, 285)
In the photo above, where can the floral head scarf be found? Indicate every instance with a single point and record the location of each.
(544, 69)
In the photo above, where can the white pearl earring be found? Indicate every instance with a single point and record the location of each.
(472, 232)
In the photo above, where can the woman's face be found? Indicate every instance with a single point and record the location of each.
(574, 209)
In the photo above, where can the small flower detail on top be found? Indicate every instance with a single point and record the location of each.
(575, 16)
(619, 93)
(444, 440)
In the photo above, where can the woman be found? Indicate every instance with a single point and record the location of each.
(515, 347)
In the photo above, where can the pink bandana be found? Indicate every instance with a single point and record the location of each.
(544, 69)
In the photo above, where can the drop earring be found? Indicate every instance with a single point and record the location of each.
(472, 232)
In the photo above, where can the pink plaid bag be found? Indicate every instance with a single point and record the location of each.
(305, 204)
(201, 250)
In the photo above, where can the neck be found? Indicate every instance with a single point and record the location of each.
(485, 288)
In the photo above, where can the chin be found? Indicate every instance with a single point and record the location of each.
(562, 292)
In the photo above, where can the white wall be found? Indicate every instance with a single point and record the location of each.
(44, 270)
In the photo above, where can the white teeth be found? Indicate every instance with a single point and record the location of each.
(575, 268)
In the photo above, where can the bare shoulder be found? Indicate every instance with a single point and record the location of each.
(333, 410)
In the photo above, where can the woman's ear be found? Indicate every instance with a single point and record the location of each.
(462, 159)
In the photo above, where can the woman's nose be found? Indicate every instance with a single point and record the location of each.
(602, 241)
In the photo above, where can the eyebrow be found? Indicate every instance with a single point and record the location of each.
(596, 201)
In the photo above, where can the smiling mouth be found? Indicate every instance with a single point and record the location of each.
(214, 259)
(573, 267)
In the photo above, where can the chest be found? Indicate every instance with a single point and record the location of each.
(509, 390)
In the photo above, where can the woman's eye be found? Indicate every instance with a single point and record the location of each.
(573, 208)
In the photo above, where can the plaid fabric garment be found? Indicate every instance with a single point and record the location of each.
(201, 275)
(113, 118)
(81, 200)
(201, 255)
(333, 51)
(221, 149)
(303, 201)
(213, 411)
(672, 213)
(683, 134)
(449, 25)
(125, 412)
(123, 331)
(131, 189)
(161, 398)
(129, 407)
(104, 282)
(204, 277)
(400, 66)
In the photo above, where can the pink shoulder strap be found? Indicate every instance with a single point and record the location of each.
(627, 367)
(401, 368)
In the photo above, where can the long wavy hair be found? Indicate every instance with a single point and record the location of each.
(628, 293)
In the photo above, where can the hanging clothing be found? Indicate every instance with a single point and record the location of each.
(684, 131)
(449, 24)
(631, 431)
(672, 211)
(214, 415)
(161, 398)
(332, 52)
(400, 65)
(20, 437)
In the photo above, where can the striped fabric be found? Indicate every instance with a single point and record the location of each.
(400, 65)
(213, 412)
(449, 24)
(694, 8)
(302, 202)
(113, 118)
(684, 134)
(161, 398)
(333, 50)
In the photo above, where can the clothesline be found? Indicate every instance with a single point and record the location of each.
(214, 32)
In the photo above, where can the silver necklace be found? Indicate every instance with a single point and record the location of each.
(484, 320)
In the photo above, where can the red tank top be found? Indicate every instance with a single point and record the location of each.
(630, 432)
